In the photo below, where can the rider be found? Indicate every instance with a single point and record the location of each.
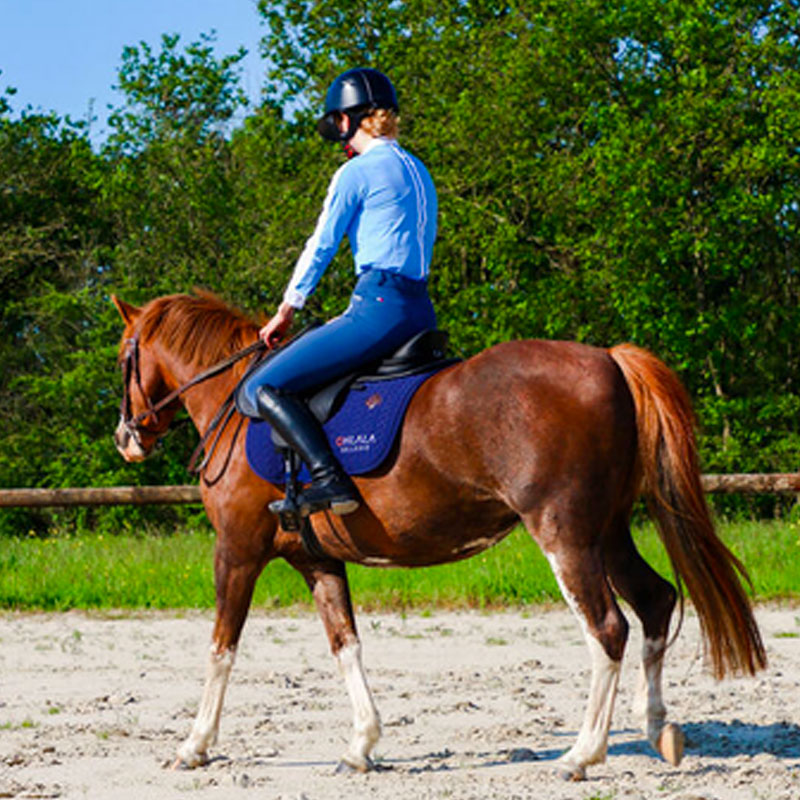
(385, 201)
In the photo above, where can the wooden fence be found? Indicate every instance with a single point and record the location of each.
(772, 483)
(100, 496)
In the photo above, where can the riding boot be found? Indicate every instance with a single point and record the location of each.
(331, 488)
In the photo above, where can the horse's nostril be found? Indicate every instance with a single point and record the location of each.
(121, 438)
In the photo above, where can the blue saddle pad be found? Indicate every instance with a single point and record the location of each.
(361, 432)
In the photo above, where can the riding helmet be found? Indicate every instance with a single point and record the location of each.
(355, 93)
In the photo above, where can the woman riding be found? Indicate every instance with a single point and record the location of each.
(384, 200)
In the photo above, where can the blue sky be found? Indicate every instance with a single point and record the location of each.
(61, 55)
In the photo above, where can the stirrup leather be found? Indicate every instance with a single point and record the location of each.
(289, 511)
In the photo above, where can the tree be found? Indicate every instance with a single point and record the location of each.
(605, 172)
(169, 191)
(49, 234)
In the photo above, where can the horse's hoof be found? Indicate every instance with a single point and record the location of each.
(571, 772)
(348, 767)
(191, 762)
(670, 743)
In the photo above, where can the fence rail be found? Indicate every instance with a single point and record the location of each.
(766, 483)
(100, 496)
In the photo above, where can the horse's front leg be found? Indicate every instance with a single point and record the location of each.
(235, 580)
(331, 592)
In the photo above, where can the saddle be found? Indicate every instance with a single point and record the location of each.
(424, 352)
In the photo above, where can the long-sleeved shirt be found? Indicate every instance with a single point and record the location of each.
(385, 201)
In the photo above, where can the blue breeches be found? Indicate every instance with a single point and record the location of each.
(385, 311)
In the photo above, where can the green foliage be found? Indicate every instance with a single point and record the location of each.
(605, 173)
(188, 96)
(170, 192)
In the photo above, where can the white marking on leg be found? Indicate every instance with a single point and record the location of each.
(666, 737)
(194, 751)
(366, 722)
(592, 742)
(648, 703)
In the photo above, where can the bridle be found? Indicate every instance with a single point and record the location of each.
(134, 425)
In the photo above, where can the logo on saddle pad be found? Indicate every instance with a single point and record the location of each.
(373, 401)
(355, 442)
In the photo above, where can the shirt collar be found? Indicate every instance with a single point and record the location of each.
(376, 142)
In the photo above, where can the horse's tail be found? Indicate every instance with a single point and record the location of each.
(669, 464)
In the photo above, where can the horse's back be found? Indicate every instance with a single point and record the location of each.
(527, 417)
(552, 379)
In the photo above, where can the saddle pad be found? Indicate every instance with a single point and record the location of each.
(361, 432)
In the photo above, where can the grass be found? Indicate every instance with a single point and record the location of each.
(132, 572)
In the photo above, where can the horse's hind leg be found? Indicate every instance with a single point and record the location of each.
(580, 572)
(235, 581)
(653, 600)
(328, 583)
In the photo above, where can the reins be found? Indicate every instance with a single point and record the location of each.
(133, 424)
(223, 417)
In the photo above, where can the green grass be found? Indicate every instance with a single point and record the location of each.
(127, 572)
(769, 550)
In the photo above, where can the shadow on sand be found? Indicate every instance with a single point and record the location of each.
(708, 739)
(728, 739)
(724, 740)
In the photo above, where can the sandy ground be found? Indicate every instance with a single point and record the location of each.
(473, 705)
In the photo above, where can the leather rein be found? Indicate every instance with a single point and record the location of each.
(134, 425)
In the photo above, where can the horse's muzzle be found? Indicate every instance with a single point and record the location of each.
(128, 443)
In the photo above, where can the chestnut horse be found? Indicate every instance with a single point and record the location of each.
(557, 435)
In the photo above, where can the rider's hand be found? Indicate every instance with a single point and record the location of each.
(273, 332)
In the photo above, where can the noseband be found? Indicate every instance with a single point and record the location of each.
(131, 370)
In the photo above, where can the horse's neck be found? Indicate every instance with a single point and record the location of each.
(203, 400)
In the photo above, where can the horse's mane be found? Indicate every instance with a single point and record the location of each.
(201, 327)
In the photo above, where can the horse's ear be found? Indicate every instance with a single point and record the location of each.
(126, 310)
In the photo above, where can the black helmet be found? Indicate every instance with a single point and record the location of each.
(355, 93)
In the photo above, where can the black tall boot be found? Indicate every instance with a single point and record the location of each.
(331, 488)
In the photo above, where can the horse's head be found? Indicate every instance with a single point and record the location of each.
(142, 419)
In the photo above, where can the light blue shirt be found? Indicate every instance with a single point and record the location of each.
(385, 201)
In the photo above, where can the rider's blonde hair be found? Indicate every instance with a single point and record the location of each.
(381, 122)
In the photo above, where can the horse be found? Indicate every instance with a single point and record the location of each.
(559, 436)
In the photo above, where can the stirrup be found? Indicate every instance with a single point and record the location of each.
(330, 490)
(292, 522)
(337, 505)
(289, 514)
(292, 511)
